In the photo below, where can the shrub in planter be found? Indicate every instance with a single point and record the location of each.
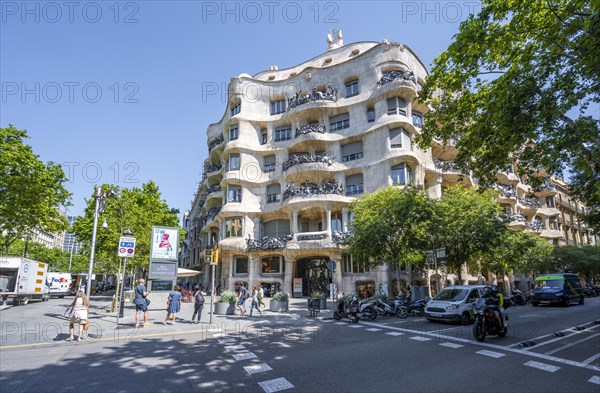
(322, 296)
(225, 304)
(279, 302)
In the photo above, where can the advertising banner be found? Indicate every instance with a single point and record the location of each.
(164, 243)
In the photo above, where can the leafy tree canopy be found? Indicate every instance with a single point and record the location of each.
(518, 84)
(30, 191)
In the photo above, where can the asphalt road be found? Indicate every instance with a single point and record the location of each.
(293, 353)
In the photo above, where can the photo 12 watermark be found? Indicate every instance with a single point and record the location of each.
(93, 172)
(69, 11)
(69, 92)
(270, 12)
(437, 11)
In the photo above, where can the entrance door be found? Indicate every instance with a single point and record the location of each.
(315, 275)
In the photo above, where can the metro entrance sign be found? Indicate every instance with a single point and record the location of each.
(126, 246)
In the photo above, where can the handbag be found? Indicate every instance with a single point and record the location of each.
(87, 325)
(69, 311)
(147, 301)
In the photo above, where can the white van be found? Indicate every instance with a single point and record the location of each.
(58, 283)
(454, 304)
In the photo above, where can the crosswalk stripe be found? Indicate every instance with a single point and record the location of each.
(419, 338)
(395, 334)
(451, 345)
(275, 385)
(542, 366)
(244, 356)
(257, 368)
(492, 354)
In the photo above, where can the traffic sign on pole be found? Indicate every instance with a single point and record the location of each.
(126, 246)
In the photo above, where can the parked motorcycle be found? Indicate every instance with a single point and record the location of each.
(486, 321)
(416, 308)
(385, 307)
(346, 310)
(518, 297)
(366, 309)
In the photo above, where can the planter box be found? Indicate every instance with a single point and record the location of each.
(322, 303)
(276, 306)
(225, 308)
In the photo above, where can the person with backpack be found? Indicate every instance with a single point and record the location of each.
(198, 304)
(242, 296)
(260, 296)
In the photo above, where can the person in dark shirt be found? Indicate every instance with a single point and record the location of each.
(140, 303)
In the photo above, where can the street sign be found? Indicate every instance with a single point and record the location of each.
(331, 266)
(126, 246)
(440, 255)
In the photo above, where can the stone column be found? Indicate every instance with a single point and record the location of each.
(337, 275)
(256, 221)
(438, 186)
(253, 264)
(345, 212)
(295, 223)
(230, 275)
(289, 273)
(328, 218)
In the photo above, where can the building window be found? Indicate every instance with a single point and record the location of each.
(396, 106)
(269, 164)
(353, 265)
(277, 107)
(400, 138)
(354, 184)
(234, 194)
(272, 264)
(275, 228)
(550, 202)
(233, 132)
(273, 193)
(236, 109)
(417, 119)
(352, 88)
(339, 122)
(552, 223)
(263, 136)
(241, 265)
(234, 162)
(336, 222)
(233, 227)
(283, 133)
(402, 175)
(352, 151)
(370, 115)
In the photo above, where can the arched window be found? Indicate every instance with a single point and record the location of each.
(402, 174)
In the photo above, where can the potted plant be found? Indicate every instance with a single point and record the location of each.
(225, 304)
(322, 296)
(279, 302)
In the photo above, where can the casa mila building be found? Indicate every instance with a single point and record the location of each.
(296, 146)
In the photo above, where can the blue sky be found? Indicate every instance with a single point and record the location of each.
(114, 90)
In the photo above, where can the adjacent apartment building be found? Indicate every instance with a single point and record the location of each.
(296, 146)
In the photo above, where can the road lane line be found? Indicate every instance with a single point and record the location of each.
(419, 338)
(591, 359)
(542, 366)
(257, 368)
(244, 356)
(595, 379)
(373, 330)
(395, 334)
(451, 345)
(234, 347)
(571, 344)
(571, 329)
(275, 385)
(492, 354)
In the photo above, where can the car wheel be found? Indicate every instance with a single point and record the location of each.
(465, 318)
(61, 296)
(567, 302)
(337, 316)
(25, 301)
(581, 301)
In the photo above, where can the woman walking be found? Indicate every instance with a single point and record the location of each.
(173, 304)
(81, 308)
(198, 304)
(254, 301)
(261, 295)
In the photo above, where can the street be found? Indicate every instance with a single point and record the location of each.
(293, 352)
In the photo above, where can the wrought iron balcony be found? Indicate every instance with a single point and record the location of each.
(214, 188)
(529, 202)
(535, 225)
(446, 166)
(215, 142)
(393, 75)
(210, 215)
(306, 158)
(518, 218)
(506, 190)
(341, 238)
(212, 168)
(308, 128)
(268, 243)
(330, 94)
(314, 236)
(308, 189)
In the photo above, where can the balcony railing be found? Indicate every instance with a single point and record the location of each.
(529, 202)
(308, 128)
(393, 75)
(268, 243)
(308, 236)
(330, 94)
(215, 142)
(308, 189)
(506, 190)
(341, 238)
(535, 226)
(214, 188)
(210, 215)
(446, 166)
(307, 158)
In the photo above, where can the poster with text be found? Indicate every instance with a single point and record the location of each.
(164, 243)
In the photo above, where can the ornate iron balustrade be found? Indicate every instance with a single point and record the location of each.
(548, 185)
(210, 215)
(215, 188)
(319, 236)
(268, 243)
(446, 166)
(393, 75)
(215, 142)
(341, 238)
(308, 128)
(529, 202)
(212, 168)
(518, 217)
(506, 190)
(306, 158)
(308, 189)
(535, 225)
(330, 94)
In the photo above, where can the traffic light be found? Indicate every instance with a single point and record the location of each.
(215, 254)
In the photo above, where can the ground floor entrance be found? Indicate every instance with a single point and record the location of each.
(314, 273)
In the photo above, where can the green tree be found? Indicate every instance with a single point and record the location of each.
(137, 209)
(56, 258)
(30, 191)
(582, 260)
(468, 224)
(516, 84)
(390, 226)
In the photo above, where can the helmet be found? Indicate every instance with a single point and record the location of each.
(495, 289)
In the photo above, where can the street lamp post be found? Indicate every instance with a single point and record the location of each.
(127, 233)
(100, 198)
(208, 259)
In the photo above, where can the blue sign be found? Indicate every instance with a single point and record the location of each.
(127, 244)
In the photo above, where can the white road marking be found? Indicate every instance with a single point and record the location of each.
(536, 339)
(227, 340)
(373, 330)
(595, 379)
(275, 385)
(257, 368)
(446, 329)
(234, 347)
(341, 323)
(542, 366)
(590, 359)
(355, 326)
(326, 320)
(451, 345)
(244, 356)
(571, 344)
(492, 354)
(395, 334)
(419, 338)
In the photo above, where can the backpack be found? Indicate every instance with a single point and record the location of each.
(244, 294)
(199, 298)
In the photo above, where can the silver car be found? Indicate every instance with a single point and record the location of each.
(454, 304)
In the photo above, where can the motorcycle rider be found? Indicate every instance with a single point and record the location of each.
(498, 298)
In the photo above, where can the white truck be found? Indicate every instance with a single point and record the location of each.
(22, 279)
(58, 283)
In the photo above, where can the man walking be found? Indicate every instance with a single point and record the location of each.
(141, 305)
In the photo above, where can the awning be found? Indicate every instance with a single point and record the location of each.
(187, 272)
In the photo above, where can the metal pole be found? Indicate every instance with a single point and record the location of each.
(212, 291)
(121, 297)
(71, 257)
(437, 278)
(93, 246)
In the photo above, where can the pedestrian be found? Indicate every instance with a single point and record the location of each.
(261, 295)
(408, 294)
(254, 301)
(173, 304)
(141, 303)
(242, 295)
(81, 308)
(198, 304)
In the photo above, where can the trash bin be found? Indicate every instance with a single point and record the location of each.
(128, 295)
